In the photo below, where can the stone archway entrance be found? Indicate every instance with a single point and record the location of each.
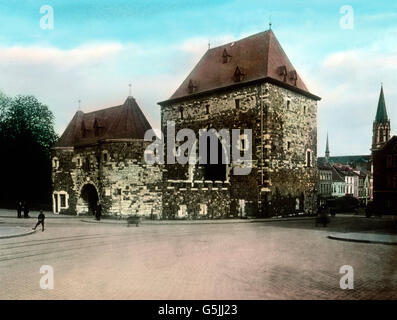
(89, 195)
(216, 171)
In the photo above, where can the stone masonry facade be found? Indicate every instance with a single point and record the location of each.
(124, 183)
(284, 173)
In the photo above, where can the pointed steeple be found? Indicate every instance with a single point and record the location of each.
(381, 126)
(381, 113)
(327, 149)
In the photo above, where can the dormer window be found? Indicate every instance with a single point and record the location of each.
(282, 72)
(238, 75)
(98, 127)
(181, 113)
(83, 130)
(225, 56)
(293, 76)
(191, 87)
(207, 109)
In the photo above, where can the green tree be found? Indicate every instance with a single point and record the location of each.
(26, 136)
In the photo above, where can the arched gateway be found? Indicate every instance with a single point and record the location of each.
(88, 199)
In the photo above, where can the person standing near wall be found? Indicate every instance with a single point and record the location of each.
(19, 209)
(98, 212)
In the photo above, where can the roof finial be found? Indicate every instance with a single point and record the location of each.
(209, 44)
(79, 101)
(270, 22)
(129, 89)
(327, 148)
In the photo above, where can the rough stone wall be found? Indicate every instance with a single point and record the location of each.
(125, 184)
(291, 131)
(219, 196)
(280, 181)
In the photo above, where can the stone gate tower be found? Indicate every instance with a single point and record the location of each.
(245, 84)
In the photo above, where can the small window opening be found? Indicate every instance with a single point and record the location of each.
(237, 103)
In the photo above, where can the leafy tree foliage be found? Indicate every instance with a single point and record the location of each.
(26, 137)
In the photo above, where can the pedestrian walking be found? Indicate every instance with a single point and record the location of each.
(19, 209)
(40, 220)
(25, 210)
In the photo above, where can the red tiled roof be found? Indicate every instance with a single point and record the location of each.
(126, 121)
(259, 56)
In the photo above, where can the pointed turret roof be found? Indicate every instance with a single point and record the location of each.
(125, 121)
(258, 57)
(381, 113)
(327, 148)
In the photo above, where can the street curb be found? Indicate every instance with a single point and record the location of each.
(47, 217)
(18, 235)
(341, 238)
(185, 222)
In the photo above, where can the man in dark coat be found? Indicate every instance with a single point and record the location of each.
(19, 209)
(40, 219)
(98, 212)
(25, 210)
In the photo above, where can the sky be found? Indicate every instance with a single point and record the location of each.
(96, 48)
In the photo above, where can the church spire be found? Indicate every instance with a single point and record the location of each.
(381, 113)
(381, 126)
(327, 149)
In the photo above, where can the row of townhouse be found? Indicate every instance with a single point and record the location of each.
(338, 180)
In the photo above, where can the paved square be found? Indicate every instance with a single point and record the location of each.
(263, 260)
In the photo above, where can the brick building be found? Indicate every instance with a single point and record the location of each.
(246, 84)
(385, 177)
(100, 157)
(384, 161)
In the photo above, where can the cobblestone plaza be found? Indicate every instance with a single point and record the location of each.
(262, 260)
